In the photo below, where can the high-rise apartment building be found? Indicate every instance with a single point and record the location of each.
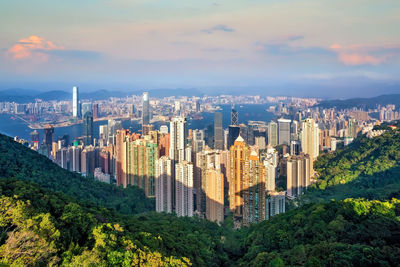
(254, 191)
(205, 159)
(297, 174)
(184, 189)
(218, 131)
(274, 204)
(178, 137)
(164, 185)
(310, 141)
(270, 175)
(136, 159)
(198, 142)
(215, 195)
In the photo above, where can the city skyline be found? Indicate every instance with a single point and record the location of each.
(263, 46)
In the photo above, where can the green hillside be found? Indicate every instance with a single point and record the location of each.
(17, 161)
(39, 227)
(368, 168)
(49, 216)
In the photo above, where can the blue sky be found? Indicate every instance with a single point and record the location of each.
(134, 44)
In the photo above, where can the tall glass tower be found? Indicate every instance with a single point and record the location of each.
(146, 109)
(87, 124)
(218, 131)
(75, 102)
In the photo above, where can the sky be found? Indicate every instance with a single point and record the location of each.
(312, 47)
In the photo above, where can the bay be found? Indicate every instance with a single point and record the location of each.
(256, 112)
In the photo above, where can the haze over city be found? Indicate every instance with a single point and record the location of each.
(333, 49)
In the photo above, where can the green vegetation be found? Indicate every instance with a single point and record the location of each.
(368, 168)
(41, 227)
(17, 161)
(49, 216)
(338, 233)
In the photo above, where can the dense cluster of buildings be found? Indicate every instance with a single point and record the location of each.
(244, 170)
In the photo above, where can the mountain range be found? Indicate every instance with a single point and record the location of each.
(24, 95)
(362, 103)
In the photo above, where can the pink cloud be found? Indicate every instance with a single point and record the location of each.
(365, 54)
(33, 47)
(359, 59)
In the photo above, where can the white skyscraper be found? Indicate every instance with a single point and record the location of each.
(178, 139)
(270, 172)
(75, 102)
(184, 189)
(164, 184)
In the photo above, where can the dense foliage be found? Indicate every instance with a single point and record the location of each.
(369, 168)
(17, 161)
(337, 233)
(40, 227)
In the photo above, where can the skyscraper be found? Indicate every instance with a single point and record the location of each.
(310, 140)
(215, 195)
(146, 109)
(297, 174)
(233, 133)
(164, 184)
(87, 124)
(184, 189)
(218, 131)
(234, 116)
(253, 191)
(239, 170)
(35, 137)
(294, 131)
(75, 102)
(178, 141)
(284, 132)
(275, 204)
(136, 162)
(48, 138)
(273, 134)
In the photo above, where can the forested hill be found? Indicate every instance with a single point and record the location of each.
(368, 168)
(49, 216)
(17, 161)
(364, 103)
(39, 227)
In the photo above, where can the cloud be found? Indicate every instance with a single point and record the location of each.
(219, 27)
(75, 54)
(285, 48)
(32, 47)
(39, 50)
(354, 55)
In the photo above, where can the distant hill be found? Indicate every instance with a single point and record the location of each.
(25, 96)
(364, 103)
